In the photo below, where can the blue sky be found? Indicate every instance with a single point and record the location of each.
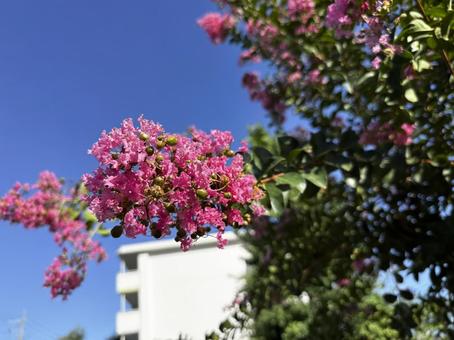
(68, 70)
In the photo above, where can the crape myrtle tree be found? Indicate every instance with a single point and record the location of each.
(362, 185)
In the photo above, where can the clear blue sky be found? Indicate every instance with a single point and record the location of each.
(68, 70)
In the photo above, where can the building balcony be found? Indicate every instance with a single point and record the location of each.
(128, 322)
(127, 282)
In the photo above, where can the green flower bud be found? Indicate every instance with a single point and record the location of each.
(143, 136)
(155, 191)
(202, 193)
(159, 180)
(159, 158)
(156, 233)
(172, 141)
(229, 153)
(170, 207)
(201, 231)
(224, 180)
(116, 231)
(227, 195)
(160, 144)
(149, 150)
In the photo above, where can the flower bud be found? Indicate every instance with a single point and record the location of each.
(115, 155)
(229, 153)
(155, 191)
(149, 150)
(172, 140)
(170, 207)
(224, 180)
(156, 233)
(116, 231)
(159, 158)
(143, 136)
(201, 231)
(202, 193)
(159, 180)
(227, 195)
(160, 144)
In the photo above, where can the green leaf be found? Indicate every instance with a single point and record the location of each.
(390, 298)
(406, 294)
(317, 177)
(89, 216)
(339, 161)
(419, 25)
(103, 232)
(436, 11)
(398, 277)
(410, 95)
(295, 156)
(294, 179)
(287, 144)
(262, 157)
(276, 199)
(276, 161)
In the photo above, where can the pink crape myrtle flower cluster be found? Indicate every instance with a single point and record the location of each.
(341, 15)
(217, 26)
(303, 11)
(344, 15)
(360, 21)
(44, 204)
(153, 181)
(378, 133)
(258, 91)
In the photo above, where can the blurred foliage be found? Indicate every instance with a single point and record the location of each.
(75, 334)
(341, 212)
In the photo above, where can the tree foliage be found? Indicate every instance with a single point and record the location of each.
(365, 183)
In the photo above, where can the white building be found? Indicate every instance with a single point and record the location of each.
(166, 292)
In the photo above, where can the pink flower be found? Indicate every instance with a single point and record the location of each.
(314, 77)
(409, 72)
(249, 55)
(377, 133)
(159, 180)
(376, 63)
(404, 137)
(217, 26)
(46, 205)
(338, 17)
(344, 282)
(294, 77)
(63, 281)
(300, 7)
